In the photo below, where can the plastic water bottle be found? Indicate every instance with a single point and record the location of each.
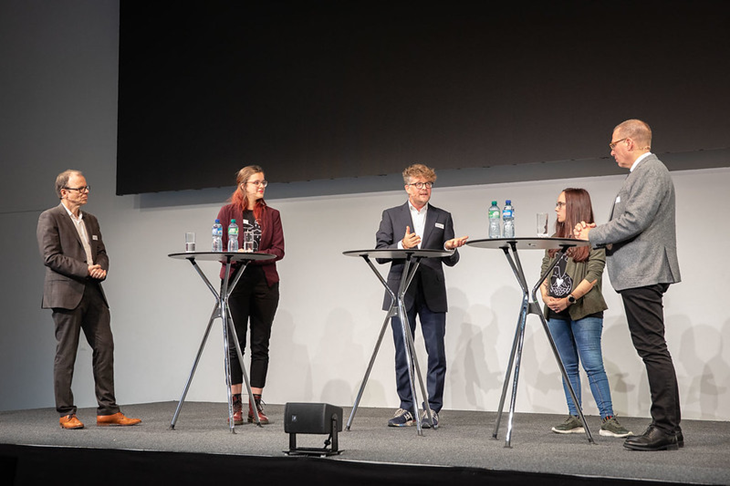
(233, 236)
(494, 227)
(508, 217)
(217, 236)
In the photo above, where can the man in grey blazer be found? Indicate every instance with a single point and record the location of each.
(76, 262)
(641, 253)
(419, 224)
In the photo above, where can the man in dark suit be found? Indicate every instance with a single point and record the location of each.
(641, 253)
(76, 262)
(417, 224)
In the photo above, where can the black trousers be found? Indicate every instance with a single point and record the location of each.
(645, 315)
(92, 316)
(254, 302)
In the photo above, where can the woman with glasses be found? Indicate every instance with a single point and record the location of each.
(255, 298)
(574, 309)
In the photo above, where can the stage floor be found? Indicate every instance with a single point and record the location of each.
(464, 439)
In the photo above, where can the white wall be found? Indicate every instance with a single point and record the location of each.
(59, 100)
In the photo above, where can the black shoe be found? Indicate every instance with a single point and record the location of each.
(654, 439)
(680, 436)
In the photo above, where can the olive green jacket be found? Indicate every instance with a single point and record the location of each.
(591, 269)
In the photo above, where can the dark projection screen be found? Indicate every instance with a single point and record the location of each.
(316, 90)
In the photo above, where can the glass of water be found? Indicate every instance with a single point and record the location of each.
(542, 225)
(248, 242)
(189, 241)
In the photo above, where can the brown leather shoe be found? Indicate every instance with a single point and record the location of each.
(263, 419)
(116, 419)
(70, 422)
(237, 410)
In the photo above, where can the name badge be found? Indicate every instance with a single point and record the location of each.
(618, 199)
(245, 221)
(440, 225)
(94, 237)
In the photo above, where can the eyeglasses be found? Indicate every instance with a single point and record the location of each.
(259, 183)
(613, 144)
(79, 189)
(421, 185)
(559, 204)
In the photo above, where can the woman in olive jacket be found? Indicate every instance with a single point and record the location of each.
(574, 309)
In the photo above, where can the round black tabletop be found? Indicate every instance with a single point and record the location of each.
(222, 256)
(527, 243)
(399, 254)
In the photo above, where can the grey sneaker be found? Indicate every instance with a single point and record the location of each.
(424, 420)
(572, 425)
(402, 418)
(611, 428)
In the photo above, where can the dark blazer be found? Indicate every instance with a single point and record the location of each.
(438, 229)
(641, 236)
(272, 238)
(67, 271)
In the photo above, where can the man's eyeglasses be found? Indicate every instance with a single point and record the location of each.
(79, 189)
(421, 185)
(613, 144)
(259, 183)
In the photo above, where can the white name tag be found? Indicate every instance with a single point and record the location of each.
(618, 199)
(245, 221)
(440, 225)
(94, 237)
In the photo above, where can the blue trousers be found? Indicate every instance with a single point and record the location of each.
(580, 341)
(433, 328)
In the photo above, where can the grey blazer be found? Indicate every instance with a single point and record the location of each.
(640, 236)
(438, 229)
(67, 270)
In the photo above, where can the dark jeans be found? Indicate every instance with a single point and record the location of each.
(645, 315)
(252, 301)
(92, 316)
(433, 327)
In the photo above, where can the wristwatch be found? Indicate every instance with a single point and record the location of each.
(571, 299)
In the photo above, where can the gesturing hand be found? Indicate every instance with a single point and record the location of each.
(455, 243)
(410, 240)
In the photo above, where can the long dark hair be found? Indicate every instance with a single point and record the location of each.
(578, 208)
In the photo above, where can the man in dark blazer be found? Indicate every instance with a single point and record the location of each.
(76, 262)
(418, 224)
(641, 253)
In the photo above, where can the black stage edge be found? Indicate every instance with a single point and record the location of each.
(202, 450)
(31, 465)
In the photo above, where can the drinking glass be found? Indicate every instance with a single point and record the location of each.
(542, 225)
(189, 241)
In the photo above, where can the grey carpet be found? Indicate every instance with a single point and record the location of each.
(463, 439)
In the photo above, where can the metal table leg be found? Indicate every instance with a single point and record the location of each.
(221, 310)
(528, 307)
(397, 308)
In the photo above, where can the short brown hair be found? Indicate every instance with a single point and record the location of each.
(418, 170)
(62, 180)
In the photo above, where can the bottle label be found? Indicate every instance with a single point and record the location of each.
(507, 213)
(494, 214)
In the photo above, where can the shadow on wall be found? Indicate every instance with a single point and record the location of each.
(292, 380)
(702, 347)
(474, 368)
(337, 350)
